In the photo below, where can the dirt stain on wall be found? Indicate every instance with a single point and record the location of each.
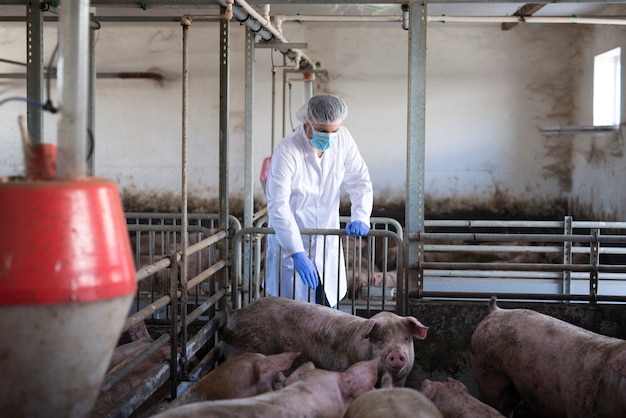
(501, 206)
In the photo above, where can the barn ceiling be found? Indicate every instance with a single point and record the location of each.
(151, 8)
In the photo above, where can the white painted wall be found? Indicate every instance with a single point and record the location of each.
(598, 159)
(489, 92)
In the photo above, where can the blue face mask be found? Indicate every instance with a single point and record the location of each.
(323, 140)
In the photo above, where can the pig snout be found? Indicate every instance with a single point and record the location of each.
(395, 360)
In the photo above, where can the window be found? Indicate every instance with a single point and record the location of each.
(607, 88)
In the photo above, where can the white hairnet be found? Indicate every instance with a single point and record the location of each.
(323, 109)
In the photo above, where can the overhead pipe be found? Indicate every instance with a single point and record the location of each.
(338, 18)
(280, 18)
(525, 19)
(263, 27)
(186, 20)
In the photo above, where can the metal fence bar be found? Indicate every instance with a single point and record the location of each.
(241, 296)
(158, 235)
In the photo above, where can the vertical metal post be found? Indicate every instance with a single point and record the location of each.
(594, 254)
(34, 70)
(224, 49)
(248, 199)
(284, 98)
(91, 109)
(184, 236)
(416, 132)
(273, 108)
(567, 256)
(248, 203)
(72, 75)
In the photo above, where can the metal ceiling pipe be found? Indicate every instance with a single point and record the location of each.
(526, 19)
(245, 14)
(340, 18)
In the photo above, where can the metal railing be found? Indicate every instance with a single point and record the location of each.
(375, 280)
(543, 260)
(164, 294)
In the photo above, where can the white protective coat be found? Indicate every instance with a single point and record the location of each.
(303, 191)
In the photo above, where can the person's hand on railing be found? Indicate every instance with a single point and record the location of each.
(306, 269)
(357, 229)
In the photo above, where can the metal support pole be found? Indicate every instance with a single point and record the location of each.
(248, 199)
(284, 99)
(416, 133)
(34, 70)
(224, 57)
(567, 256)
(72, 83)
(91, 109)
(248, 202)
(594, 254)
(184, 236)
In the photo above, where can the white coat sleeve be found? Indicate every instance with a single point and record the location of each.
(278, 194)
(358, 184)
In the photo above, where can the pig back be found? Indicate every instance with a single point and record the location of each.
(557, 368)
(392, 402)
(330, 338)
(317, 394)
(273, 325)
(245, 375)
(453, 400)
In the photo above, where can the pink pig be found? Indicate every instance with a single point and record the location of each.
(331, 339)
(316, 394)
(556, 368)
(242, 376)
(454, 400)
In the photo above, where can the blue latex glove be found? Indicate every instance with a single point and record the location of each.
(306, 269)
(357, 229)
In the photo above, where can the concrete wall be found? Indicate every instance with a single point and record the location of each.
(598, 159)
(445, 350)
(489, 92)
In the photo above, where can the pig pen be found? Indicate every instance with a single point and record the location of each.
(571, 270)
(445, 352)
(564, 268)
(218, 269)
(170, 337)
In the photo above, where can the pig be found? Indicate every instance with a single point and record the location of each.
(318, 393)
(389, 279)
(330, 338)
(242, 376)
(359, 268)
(389, 262)
(389, 401)
(454, 400)
(357, 279)
(557, 369)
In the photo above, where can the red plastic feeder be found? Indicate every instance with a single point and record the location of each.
(67, 281)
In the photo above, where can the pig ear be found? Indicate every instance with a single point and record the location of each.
(417, 328)
(426, 388)
(618, 362)
(368, 327)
